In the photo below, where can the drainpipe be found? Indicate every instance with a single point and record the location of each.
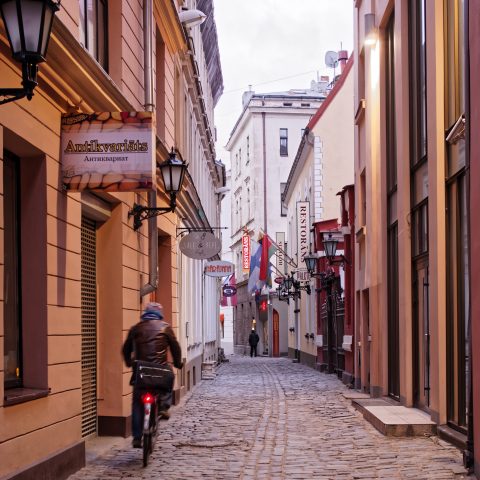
(264, 175)
(151, 286)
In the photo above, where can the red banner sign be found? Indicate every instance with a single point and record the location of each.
(246, 254)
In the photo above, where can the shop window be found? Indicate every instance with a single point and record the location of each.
(94, 29)
(25, 271)
(13, 331)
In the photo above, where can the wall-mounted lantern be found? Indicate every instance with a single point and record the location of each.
(173, 173)
(28, 24)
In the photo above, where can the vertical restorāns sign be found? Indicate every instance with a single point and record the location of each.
(303, 231)
(246, 253)
(108, 151)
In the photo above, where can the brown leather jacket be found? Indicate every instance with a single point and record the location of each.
(149, 340)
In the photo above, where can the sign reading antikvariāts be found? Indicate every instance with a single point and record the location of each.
(108, 151)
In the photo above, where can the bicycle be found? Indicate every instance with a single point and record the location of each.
(150, 419)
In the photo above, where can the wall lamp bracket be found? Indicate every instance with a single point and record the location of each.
(29, 82)
(141, 213)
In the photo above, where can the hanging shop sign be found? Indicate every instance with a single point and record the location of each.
(280, 241)
(279, 280)
(219, 268)
(303, 231)
(229, 290)
(200, 245)
(246, 254)
(302, 275)
(108, 151)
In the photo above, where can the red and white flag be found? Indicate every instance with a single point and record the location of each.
(229, 292)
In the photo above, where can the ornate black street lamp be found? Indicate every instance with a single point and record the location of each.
(292, 288)
(173, 173)
(28, 24)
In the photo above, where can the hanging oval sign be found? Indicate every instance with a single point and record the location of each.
(229, 290)
(200, 245)
(279, 280)
(219, 268)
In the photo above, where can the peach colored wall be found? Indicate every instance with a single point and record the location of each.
(47, 425)
(371, 154)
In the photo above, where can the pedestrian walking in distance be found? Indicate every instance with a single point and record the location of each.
(253, 340)
(149, 340)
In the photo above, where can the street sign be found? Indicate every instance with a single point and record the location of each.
(279, 280)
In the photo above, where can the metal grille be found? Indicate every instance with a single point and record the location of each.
(89, 328)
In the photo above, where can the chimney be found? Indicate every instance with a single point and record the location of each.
(246, 97)
(342, 59)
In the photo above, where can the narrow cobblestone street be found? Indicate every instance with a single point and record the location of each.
(266, 418)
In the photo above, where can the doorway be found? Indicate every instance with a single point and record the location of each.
(276, 336)
(421, 337)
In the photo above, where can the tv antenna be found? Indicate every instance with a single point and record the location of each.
(331, 61)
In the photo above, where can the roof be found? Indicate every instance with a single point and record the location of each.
(297, 94)
(332, 94)
(210, 48)
(313, 121)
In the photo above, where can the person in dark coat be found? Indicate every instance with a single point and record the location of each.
(149, 340)
(253, 340)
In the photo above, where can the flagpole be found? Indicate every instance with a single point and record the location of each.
(291, 261)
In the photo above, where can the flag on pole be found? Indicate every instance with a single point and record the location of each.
(229, 292)
(253, 279)
(268, 249)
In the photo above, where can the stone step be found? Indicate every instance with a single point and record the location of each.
(394, 420)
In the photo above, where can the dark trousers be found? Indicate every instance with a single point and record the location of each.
(164, 403)
(253, 350)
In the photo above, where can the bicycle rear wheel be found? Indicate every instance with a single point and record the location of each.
(147, 447)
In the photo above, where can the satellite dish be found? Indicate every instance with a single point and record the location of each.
(331, 59)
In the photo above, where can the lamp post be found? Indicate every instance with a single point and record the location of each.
(327, 282)
(28, 24)
(291, 288)
(173, 173)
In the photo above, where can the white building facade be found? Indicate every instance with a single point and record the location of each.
(323, 166)
(262, 148)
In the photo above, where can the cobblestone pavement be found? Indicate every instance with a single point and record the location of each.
(265, 418)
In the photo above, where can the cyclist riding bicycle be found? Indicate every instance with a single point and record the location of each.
(149, 340)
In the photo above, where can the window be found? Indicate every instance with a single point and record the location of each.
(94, 29)
(458, 294)
(392, 224)
(284, 142)
(12, 339)
(240, 157)
(418, 129)
(248, 150)
(25, 340)
(418, 81)
(283, 207)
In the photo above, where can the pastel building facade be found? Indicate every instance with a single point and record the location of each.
(75, 274)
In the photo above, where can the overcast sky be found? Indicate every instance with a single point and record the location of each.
(274, 45)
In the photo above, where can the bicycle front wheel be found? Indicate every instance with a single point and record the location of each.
(147, 447)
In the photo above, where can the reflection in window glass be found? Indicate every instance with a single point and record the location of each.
(93, 29)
